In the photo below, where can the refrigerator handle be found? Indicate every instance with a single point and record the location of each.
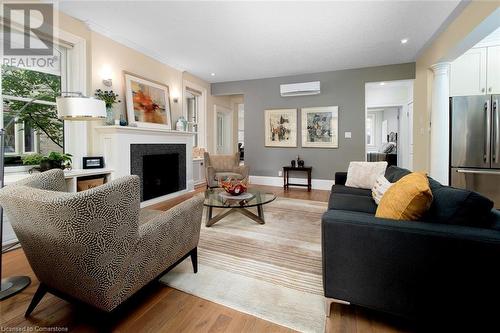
(487, 137)
(496, 132)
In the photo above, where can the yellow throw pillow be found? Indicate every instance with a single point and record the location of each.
(407, 199)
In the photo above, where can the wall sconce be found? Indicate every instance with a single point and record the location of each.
(175, 96)
(106, 75)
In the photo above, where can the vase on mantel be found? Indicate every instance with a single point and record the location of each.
(110, 116)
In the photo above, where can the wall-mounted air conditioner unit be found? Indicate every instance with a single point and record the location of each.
(300, 89)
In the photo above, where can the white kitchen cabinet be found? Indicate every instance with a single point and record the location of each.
(493, 70)
(468, 73)
(198, 172)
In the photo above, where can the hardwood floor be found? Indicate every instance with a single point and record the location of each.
(158, 308)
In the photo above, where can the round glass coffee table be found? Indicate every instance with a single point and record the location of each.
(218, 198)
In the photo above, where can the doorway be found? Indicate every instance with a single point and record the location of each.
(389, 122)
(223, 130)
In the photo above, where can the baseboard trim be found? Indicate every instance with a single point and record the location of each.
(317, 184)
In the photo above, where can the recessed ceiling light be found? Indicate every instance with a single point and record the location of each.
(404, 40)
(382, 83)
(212, 74)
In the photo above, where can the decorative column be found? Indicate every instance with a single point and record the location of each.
(440, 123)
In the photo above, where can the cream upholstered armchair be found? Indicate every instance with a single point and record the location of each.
(220, 167)
(96, 246)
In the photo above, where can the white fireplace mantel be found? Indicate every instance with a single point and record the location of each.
(113, 142)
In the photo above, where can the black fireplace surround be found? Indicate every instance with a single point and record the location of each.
(161, 167)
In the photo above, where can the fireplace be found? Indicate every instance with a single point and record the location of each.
(161, 167)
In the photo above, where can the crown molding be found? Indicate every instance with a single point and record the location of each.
(128, 43)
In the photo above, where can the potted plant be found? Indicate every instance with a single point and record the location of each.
(109, 98)
(54, 160)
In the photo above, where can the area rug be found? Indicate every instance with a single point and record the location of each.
(271, 271)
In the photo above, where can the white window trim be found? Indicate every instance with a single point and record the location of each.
(75, 132)
(202, 110)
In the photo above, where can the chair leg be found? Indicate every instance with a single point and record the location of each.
(40, 292)
(194, 259)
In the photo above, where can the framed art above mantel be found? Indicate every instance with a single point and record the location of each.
(148, 102)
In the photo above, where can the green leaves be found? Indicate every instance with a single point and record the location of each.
(30, 84)
(108, 96)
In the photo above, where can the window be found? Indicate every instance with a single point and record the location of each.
(370, 129)
(193, 113)
(37, 129)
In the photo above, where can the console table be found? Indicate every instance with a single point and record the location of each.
(286, 177)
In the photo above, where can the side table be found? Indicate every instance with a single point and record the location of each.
(286, 177)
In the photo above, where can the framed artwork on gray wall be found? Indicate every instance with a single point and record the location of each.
(320, 127)
(281, 128)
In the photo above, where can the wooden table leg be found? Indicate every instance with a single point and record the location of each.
(210, 222)
(257, 218)
(260, 211)
(309, 185)
(209, 213)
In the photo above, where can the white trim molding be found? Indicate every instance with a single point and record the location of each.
(440, 120)
(317, 184)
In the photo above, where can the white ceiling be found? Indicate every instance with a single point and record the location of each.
(243, 40)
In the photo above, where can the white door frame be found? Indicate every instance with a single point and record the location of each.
(229, 113)
(403, 145)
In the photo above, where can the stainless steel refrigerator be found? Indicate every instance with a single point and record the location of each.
(475, 145)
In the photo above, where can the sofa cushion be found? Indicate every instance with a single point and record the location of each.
(408, 199)
(351, 202)
(381, 186)
(457, 206)
(364, 174)
(394, 173)
(342, 189)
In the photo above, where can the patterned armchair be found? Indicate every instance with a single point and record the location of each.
(220, 167)
(96, 246)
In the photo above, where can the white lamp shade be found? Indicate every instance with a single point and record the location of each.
(80, 108)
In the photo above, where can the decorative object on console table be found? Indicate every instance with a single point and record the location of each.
(109, 98)
(281, 128)
(95, 162)
(320, 127)
(293, 163)
(148, 102)
(300, 162)
(286, 176)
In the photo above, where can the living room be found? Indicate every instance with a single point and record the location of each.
(215, 166)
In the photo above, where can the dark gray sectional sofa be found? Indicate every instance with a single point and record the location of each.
(443, 270)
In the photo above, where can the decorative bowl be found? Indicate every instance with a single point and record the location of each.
(233, 186)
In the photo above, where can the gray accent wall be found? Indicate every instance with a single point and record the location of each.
(344, 88)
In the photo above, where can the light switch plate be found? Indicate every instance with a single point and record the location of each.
(347, 135)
